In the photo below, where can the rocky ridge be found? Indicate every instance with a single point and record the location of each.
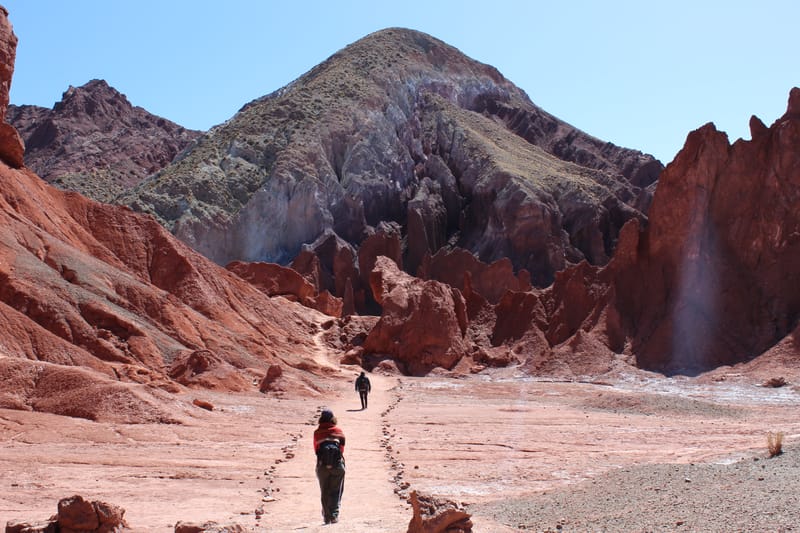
(401, 128)
(95, 142)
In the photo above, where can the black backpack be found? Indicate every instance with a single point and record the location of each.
(329, 454)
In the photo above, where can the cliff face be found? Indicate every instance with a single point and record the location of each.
(401, 128)
(713, 280)
(95, 142)
(11, 146)
(723, 248)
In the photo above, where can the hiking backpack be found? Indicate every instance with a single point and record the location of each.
(329, 454)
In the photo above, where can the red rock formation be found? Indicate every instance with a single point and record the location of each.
(384, 241)
(77, 515)
(439, 518)
(267, 383)
(95, 142)
(490, 281)
(720, 255)
(423, 323)
(330, 264)
(98, 286)
(276, 280)
(11, 146)
(711, 280)
(204, 369)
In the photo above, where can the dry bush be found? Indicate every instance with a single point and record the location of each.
(775, 443)
(775, 382)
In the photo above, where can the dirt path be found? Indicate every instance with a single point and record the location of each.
(369, 502)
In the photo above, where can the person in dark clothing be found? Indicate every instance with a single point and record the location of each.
(331, 477)
(363, 387)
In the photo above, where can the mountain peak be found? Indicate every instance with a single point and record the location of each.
(95, 142)
(94, 97)
(399, 121)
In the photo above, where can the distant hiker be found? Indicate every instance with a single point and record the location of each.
(363, 387)
(329, 447)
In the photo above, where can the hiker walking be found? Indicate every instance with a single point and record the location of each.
(329, 447)
(363, 387)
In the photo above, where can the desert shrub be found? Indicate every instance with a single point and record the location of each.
(775, 443)
(775, 382)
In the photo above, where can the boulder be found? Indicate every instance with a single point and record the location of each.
(274, 372)
(204, 368)
(77, 515)
(437, 518)
(203, 404)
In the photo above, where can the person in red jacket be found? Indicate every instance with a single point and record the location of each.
(329, 447)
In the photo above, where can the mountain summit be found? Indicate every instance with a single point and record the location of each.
(400, 128)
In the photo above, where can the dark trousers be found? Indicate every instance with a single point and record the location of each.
(363, 395)
(331, 487)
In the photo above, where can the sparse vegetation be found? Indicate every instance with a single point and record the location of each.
(775, 443)
(775, 382)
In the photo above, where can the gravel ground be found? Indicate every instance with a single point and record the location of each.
(753, 494)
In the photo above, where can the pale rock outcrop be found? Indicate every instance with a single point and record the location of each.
(207, 527)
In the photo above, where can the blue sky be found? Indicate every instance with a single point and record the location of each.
(639, 74)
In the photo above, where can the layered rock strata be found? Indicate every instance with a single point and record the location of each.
(401, 128)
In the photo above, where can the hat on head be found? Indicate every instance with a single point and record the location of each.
(326, 416)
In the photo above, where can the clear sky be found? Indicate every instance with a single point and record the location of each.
(637, 73)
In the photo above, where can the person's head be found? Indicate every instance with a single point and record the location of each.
(362, 374)
(327, 417)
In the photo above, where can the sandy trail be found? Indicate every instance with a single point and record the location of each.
(369, 502)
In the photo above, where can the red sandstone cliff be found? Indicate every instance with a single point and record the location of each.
(713, 279)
